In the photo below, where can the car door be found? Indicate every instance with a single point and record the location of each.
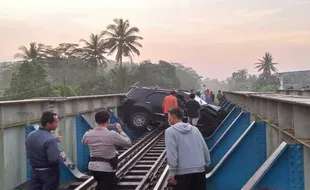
(156, 101)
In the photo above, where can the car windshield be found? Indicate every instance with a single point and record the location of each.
(135, 93)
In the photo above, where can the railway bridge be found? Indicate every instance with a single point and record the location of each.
(263, 143)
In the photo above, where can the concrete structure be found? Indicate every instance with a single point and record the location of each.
(287, 119)
(294, 79)
(15, 115)
(297, 92)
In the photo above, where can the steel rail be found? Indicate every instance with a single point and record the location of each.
(130, 163)
(139, 143)
(151, 175)
(162, 180)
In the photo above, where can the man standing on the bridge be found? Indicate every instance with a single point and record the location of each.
(192, 107)
(44, 155)
(103, 159)
(169, 103)
(187, 154)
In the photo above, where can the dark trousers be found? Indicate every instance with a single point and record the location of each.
(45, 179)
(194, 181)
(105, 180)
(166, 123)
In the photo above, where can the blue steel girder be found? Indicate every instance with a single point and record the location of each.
(230, 107)
(222, 103)
(229, 137)
(227, 105)
(82, 126)
(241, 161)
(65, 173)
(286, 172)
(223, 127)
(115, 119)
(28, 130)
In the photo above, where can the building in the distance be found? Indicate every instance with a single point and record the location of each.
(294, 80)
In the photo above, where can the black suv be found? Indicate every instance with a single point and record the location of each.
(143, 106)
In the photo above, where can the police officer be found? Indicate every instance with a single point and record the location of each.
(44, 155)
(102, 144)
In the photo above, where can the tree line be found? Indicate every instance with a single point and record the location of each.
(266, 81)
(83, 68)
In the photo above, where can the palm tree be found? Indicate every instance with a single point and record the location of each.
(34, 53)
(266, 65)
(123, 76)
(122, 39)
(94, 50)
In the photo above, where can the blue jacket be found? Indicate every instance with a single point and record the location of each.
(186, 149)
(42, 149)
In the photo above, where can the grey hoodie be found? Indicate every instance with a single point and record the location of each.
(186, 149)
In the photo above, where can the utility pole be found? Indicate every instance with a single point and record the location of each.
(65, 88)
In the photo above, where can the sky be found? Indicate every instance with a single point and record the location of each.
(214, 37)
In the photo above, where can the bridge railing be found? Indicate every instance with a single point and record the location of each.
(20, 112)
(18, 117)
(287, 116)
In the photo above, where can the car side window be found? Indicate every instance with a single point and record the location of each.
(156, 99)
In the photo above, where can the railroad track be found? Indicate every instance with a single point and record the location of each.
(143, 170)
(139, 165)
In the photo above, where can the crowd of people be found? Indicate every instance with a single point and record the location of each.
(187, 153)
(209, 96)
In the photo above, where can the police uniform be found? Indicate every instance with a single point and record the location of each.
(102, 144)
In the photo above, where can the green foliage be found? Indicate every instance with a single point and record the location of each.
(74, 70)
(88, 72)
(122, 39)
(214, 84)
(239, 80)
(162, 74)
(188, 77)
(266, 66)
(30, 81)
(262, 84)
(268, 88)
(58, 90)
(122, 76)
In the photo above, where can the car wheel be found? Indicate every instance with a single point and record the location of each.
(140, 120)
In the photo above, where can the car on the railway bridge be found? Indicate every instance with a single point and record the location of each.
(143, 106)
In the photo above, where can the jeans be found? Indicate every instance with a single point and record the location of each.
(45, 179)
